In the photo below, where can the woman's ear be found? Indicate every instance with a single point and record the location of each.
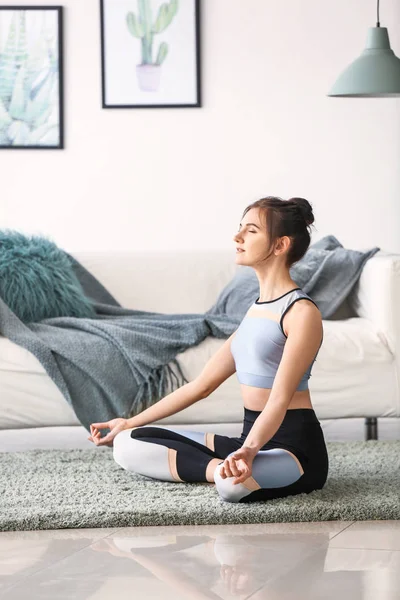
(282, 245)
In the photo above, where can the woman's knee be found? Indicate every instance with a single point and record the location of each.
(226, 489)
(124, 452)
(142, 457)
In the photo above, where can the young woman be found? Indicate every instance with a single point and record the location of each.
(281, 450)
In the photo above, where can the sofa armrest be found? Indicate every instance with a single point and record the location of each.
(376, 296)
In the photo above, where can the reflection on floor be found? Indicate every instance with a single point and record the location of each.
(285, 561)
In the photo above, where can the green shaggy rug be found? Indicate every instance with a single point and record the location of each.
(57, 489)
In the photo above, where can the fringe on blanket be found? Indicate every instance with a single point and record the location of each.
(156, 386)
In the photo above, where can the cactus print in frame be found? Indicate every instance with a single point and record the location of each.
(150, 53)
(31, 104)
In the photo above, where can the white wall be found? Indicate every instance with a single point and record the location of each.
(180, 178)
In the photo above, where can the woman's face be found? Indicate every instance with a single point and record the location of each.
(252, 238)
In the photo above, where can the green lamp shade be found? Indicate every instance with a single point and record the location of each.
(376, 73)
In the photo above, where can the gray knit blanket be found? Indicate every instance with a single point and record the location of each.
(121, 362)
(115, 365)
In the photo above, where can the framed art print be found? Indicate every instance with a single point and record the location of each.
(150, 53)
(31, 77)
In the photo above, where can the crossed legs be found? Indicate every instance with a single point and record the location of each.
(167, 454)
(177, 455)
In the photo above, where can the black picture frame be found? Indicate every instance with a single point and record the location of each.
(43, 79)
(197, 71)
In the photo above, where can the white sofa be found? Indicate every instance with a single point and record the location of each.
(356, 374)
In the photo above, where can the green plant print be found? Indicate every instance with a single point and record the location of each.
(142, 27)
(28, 86)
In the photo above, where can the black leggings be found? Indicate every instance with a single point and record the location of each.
(293, 461)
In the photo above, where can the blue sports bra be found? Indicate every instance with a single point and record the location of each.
(258, 344)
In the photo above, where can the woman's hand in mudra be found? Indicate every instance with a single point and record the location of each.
(239, 465)
(115, 426)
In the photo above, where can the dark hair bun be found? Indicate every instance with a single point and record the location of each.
(304, 208)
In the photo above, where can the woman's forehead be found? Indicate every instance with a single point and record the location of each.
(252, 216)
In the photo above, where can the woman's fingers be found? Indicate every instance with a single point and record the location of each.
(95, 435)
(234, 468)
(94, 427)
(231, 469)
(103, 441)
(96, 438)
(241, 478)
(226, 467)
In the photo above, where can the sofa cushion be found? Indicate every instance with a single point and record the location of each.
(162, 281)
(37, 280)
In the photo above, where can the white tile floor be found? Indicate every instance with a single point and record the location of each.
(285, 561)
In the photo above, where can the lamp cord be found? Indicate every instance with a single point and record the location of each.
(377, 14)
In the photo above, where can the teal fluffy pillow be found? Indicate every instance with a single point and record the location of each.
(37, 280)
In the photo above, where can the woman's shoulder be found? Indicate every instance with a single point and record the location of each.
(301, 298)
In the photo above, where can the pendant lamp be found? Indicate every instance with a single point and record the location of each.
(375, 73)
